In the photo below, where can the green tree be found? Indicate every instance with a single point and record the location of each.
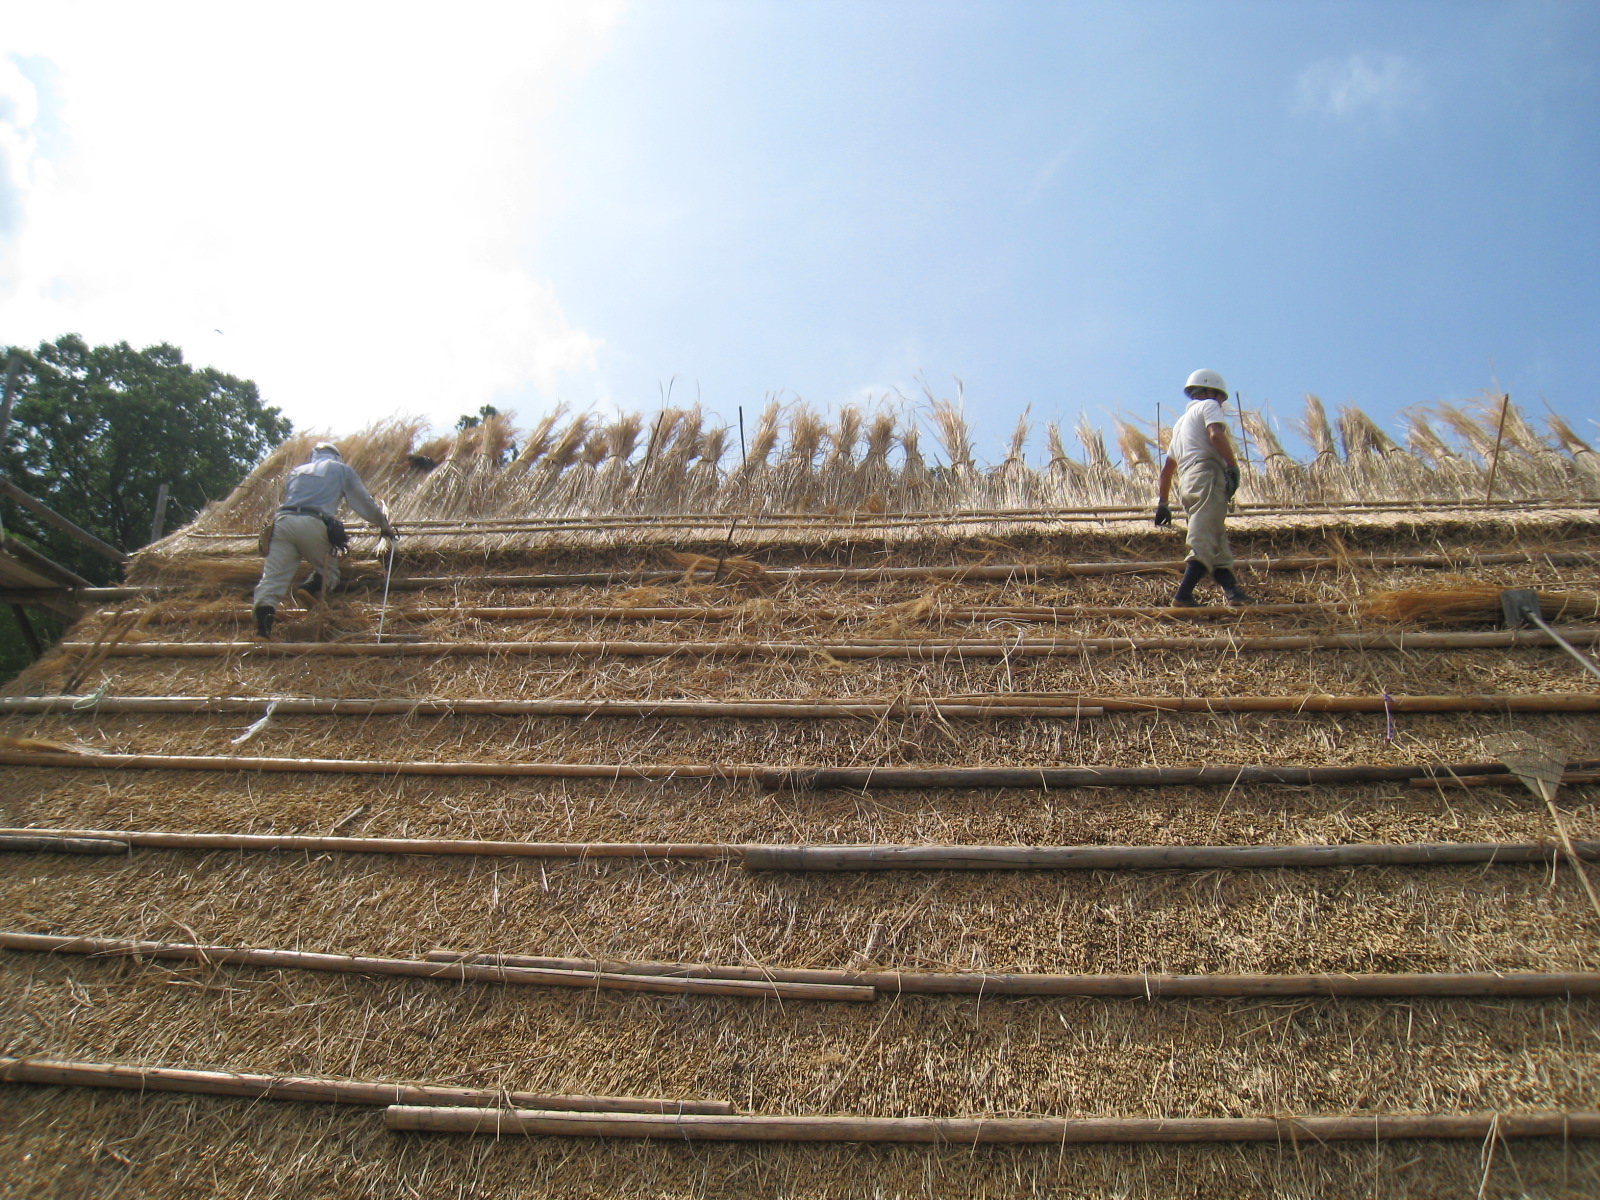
(96, 431)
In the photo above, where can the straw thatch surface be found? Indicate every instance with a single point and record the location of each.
(944, 1056)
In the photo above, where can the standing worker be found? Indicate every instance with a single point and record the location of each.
(307, 527)
(1200, 454)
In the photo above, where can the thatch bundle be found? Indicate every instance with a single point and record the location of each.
(606, 535)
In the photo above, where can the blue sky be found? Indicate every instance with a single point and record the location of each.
(1065, 206)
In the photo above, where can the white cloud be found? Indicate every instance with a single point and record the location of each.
(347, 192)
(1362, 84)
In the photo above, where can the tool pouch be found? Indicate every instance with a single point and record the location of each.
(338, 536)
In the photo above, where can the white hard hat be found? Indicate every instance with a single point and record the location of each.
(1205, 379)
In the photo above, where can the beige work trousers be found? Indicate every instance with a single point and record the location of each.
(295, 537)
(1203, 488)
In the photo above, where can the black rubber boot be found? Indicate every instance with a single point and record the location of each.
(1230, 588)
(313, 584)
(264, 615)
(1193, 572)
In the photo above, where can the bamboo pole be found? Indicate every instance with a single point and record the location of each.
(1146, 858)
(975, 572)
(959, 1131)
(307, 706)
(977, 704)
(35, 842)
(414, 968)
(925, 650)
(1570, 779)
(1149, 987)
(275, 842)
(62, 1073)
(1052, 778)
(756, 856)
(775, 778)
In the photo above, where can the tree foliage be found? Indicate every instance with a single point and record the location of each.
(96, 431)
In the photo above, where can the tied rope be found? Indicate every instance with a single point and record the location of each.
(1388, 717)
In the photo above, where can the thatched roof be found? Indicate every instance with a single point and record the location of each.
(802, 570)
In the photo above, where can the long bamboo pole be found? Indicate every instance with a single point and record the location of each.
(414, 968)
(1150, 987)
(34, 842)
(492, 524)
(64, 1073)
(756, 856)
(307, 706)
(273, 842)
(1051, 778)
(1017, 572)
(349, 766)
(961, 1131)
(792, 778)
(1398, 643)
(977, 704)
(1146, 858)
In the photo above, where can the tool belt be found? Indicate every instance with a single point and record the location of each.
(338, 536)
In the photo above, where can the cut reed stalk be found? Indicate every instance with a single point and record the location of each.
(1147, 987)
(965, 1131)
(415, 968)
(925, 649)
(61, 1073)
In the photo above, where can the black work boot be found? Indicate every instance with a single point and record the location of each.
(313, 584)
(264, 615)
(1193, 572)
(1230, 588)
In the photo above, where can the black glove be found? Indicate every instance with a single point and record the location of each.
(1163, 514)
(1233, 480)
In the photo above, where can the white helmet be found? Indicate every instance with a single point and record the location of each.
(326, 448)
(1205, 379)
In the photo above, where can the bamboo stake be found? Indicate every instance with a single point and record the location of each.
(927, 650)
(156, 840)
(1499, 436)
(992, 705)
(63, 1073)
(414, 968)
(960, 1131)
(1149, 987)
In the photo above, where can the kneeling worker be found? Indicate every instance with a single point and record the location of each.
(1201, 456)
(307, 528)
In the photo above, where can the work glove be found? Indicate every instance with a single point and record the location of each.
(389, 532)
(1163, 515)
(1233, 480)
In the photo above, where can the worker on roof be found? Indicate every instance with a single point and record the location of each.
(1200, 455)
(307, 527)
